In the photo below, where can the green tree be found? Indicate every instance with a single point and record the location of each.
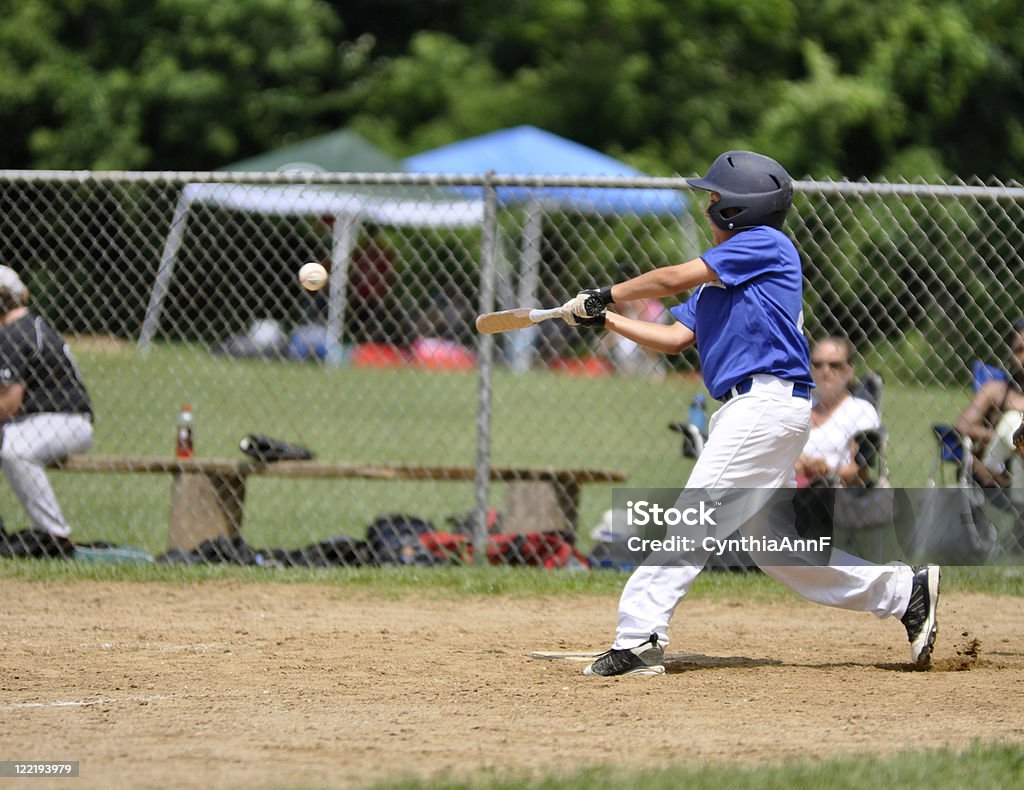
(172, 84)
(831, 87)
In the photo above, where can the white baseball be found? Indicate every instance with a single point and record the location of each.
(313, 276)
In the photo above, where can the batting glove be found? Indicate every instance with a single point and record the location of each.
(590, 303)
(595, 321)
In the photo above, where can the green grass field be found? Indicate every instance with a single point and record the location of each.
(406, 415)
(448, 582)
(980, 766)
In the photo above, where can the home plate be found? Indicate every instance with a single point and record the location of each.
(571, 656)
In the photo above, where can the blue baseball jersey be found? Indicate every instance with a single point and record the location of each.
(751, 319)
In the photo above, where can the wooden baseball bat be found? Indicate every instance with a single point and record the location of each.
(509, 320)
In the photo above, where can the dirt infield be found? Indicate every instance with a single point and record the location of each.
(228, 684)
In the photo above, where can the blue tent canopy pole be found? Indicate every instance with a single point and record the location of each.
(522, 345)
(344, 233)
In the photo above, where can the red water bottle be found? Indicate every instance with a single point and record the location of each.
(184, 446)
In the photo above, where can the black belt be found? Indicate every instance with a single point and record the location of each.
(743, 387)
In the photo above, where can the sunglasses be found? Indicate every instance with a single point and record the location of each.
(828, 363)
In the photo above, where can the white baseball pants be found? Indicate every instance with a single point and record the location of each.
(754, 441)
(29, 445)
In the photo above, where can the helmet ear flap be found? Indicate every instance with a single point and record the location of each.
(725, 217)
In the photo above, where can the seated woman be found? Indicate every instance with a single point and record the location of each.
(836, 418)
(993, 415)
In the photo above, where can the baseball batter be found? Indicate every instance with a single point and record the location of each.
(746, 318)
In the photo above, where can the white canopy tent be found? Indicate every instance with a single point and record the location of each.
(351, 209)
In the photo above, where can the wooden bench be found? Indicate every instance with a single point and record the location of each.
(208, 495)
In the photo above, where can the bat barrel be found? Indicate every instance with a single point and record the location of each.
(510, 320)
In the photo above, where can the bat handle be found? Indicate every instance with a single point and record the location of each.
(538, 315)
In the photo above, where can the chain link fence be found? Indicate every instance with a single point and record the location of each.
(181, 288)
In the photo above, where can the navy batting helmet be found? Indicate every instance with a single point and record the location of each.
(754, 190)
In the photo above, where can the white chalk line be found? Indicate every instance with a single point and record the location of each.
(85, 703)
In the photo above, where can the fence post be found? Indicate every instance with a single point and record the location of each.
(485, 352)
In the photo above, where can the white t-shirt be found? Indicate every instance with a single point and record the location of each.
(831, 440)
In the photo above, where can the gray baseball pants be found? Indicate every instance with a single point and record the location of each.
(29, 445)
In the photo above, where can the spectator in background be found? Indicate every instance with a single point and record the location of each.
(836, 417)
(45, 411)
(371, 277)
(993, 415)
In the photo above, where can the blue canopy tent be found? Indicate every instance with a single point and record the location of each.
(527, 150)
